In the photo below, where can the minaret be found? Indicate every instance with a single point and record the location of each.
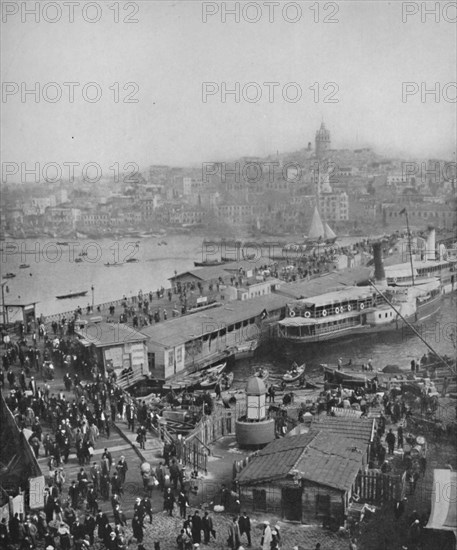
(322, 142)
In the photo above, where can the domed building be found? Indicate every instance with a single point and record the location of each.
(255, 429)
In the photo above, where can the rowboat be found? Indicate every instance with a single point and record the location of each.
(24, 266)
(246, 349)
(9, 276)
(224, 380)
(189, 381)
(336, 376)
(294, 374)
(262, 373)
(114, 264)
(72, 294)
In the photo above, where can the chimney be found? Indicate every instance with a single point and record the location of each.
(431, 245)
(379, 273)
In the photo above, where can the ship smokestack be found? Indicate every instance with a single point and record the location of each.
(431, 245)
(379, 273)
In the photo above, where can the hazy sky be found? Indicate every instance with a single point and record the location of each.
(171, 52)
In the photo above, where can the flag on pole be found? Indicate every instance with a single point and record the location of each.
(403, 211)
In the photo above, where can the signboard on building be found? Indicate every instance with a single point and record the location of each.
(114, 358)
(36, 492)
(17, 505)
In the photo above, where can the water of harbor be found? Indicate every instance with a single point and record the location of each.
(385, 348)
(53, 271)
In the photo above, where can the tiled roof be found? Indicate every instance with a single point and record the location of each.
(359, 429)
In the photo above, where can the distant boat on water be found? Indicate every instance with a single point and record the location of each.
(24, 266)
(9, 276)
(70, 294)
(114, 264)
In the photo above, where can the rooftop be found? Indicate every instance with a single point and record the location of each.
(109, 334)
(358, 429)
(333, 462)
(182, 329)
(320, 285)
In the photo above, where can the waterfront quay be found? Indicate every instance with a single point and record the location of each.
(175, 342)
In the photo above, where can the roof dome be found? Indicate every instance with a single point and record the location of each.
(256, 386)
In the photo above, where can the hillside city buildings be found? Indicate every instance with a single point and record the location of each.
(353, 189)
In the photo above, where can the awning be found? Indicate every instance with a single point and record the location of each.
(444, 497)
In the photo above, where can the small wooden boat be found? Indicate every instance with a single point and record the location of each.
(246, 349)
(76, 294)
(9, 276)
(114, 264)
(208, 263)
(132, 261)
(62, 243)
(24, 266)
(194, 380)
(262, 373)
(332, 374)
(294, 373)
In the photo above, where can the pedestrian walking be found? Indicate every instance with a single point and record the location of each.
(245, 527)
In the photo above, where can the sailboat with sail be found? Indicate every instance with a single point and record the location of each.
(320, 231)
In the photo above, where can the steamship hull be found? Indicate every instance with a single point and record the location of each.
(357, 326)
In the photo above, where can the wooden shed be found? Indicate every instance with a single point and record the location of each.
(307, 478)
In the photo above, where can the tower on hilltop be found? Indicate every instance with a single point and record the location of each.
(322, 142)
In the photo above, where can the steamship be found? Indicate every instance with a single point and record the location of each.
(360, 310)
(420, 271)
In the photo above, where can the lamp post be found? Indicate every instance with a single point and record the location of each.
(93, 297)
(5, 309)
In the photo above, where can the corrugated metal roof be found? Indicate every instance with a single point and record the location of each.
(182, 329)
(359, 429)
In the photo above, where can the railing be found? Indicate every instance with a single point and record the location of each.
(379, 488)
(195, 447)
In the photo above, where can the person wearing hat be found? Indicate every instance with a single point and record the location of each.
(122, 469)
(64, 536)
(89, 528)
(196, 527)
(265, 541)
(274, 545)
(245, 527)
(208, 527)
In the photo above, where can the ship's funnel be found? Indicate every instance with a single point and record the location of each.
(431, 245)
(379, 273)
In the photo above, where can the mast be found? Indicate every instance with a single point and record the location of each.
(413, 328)
(405, 212)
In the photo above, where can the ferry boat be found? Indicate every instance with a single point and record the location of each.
(358, 311)
(424, 271)
(429, 267)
